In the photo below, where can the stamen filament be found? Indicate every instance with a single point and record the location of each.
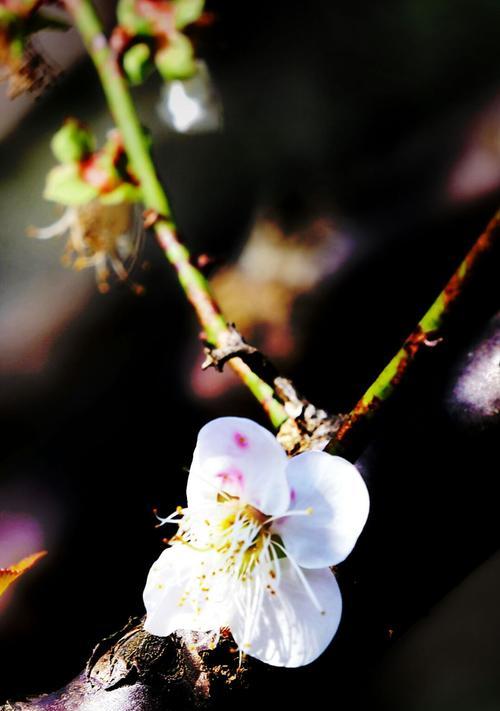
(303, 512)
(55, 229)
(302, 578)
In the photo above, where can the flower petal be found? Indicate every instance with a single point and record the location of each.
(289, 630)
(338, 496)
(13, 572)
(241, 458)
(176, 596)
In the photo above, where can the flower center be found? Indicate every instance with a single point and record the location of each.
(238, 533)
(240, 557)
(241, 535)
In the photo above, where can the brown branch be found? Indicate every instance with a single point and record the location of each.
(135, 671)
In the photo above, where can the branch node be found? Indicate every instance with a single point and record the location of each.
(308, 427)
(231, 345)
(151, 217)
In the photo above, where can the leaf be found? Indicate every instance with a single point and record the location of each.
(9, 575)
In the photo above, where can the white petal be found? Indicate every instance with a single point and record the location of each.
(338, 496)
(289, 630)
(241, 458)
(176, 594)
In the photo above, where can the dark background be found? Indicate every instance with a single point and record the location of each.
(360, 111)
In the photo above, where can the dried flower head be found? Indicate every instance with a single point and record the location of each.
(29, 72)
(101, 195)
(105, 237)
(21, 64)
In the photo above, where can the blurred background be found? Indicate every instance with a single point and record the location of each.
(355, 159)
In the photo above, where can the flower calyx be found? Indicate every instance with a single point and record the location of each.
(86, 174)
(151, 32)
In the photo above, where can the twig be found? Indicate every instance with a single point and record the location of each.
(427, 334)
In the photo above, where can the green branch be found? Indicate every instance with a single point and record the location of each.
(426, 334)
(136, 144)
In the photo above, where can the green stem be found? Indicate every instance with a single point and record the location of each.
(426, 334)
(191, 279)
(120, 103)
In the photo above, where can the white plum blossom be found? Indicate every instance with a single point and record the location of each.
(255, 544)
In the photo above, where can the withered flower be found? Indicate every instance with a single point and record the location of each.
(21, 64)
(105, 237)
(100, 193)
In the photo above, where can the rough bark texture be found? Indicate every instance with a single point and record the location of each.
(135, 671)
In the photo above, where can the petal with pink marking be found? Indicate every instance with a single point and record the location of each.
(181, 594)
(240, 458)
(289, 630)
(338, 498)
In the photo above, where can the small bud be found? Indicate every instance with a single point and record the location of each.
(187, 11)
(176, 61)
(72, 142)
(132, 20)
(137, 63)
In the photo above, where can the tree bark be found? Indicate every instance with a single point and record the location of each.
(135, 671)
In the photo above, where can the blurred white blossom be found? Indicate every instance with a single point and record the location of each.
(191, 105)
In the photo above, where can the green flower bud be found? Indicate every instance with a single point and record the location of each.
(187, 11)
(137, 63)
(131, 20)
(72, 142)
(176, 61)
